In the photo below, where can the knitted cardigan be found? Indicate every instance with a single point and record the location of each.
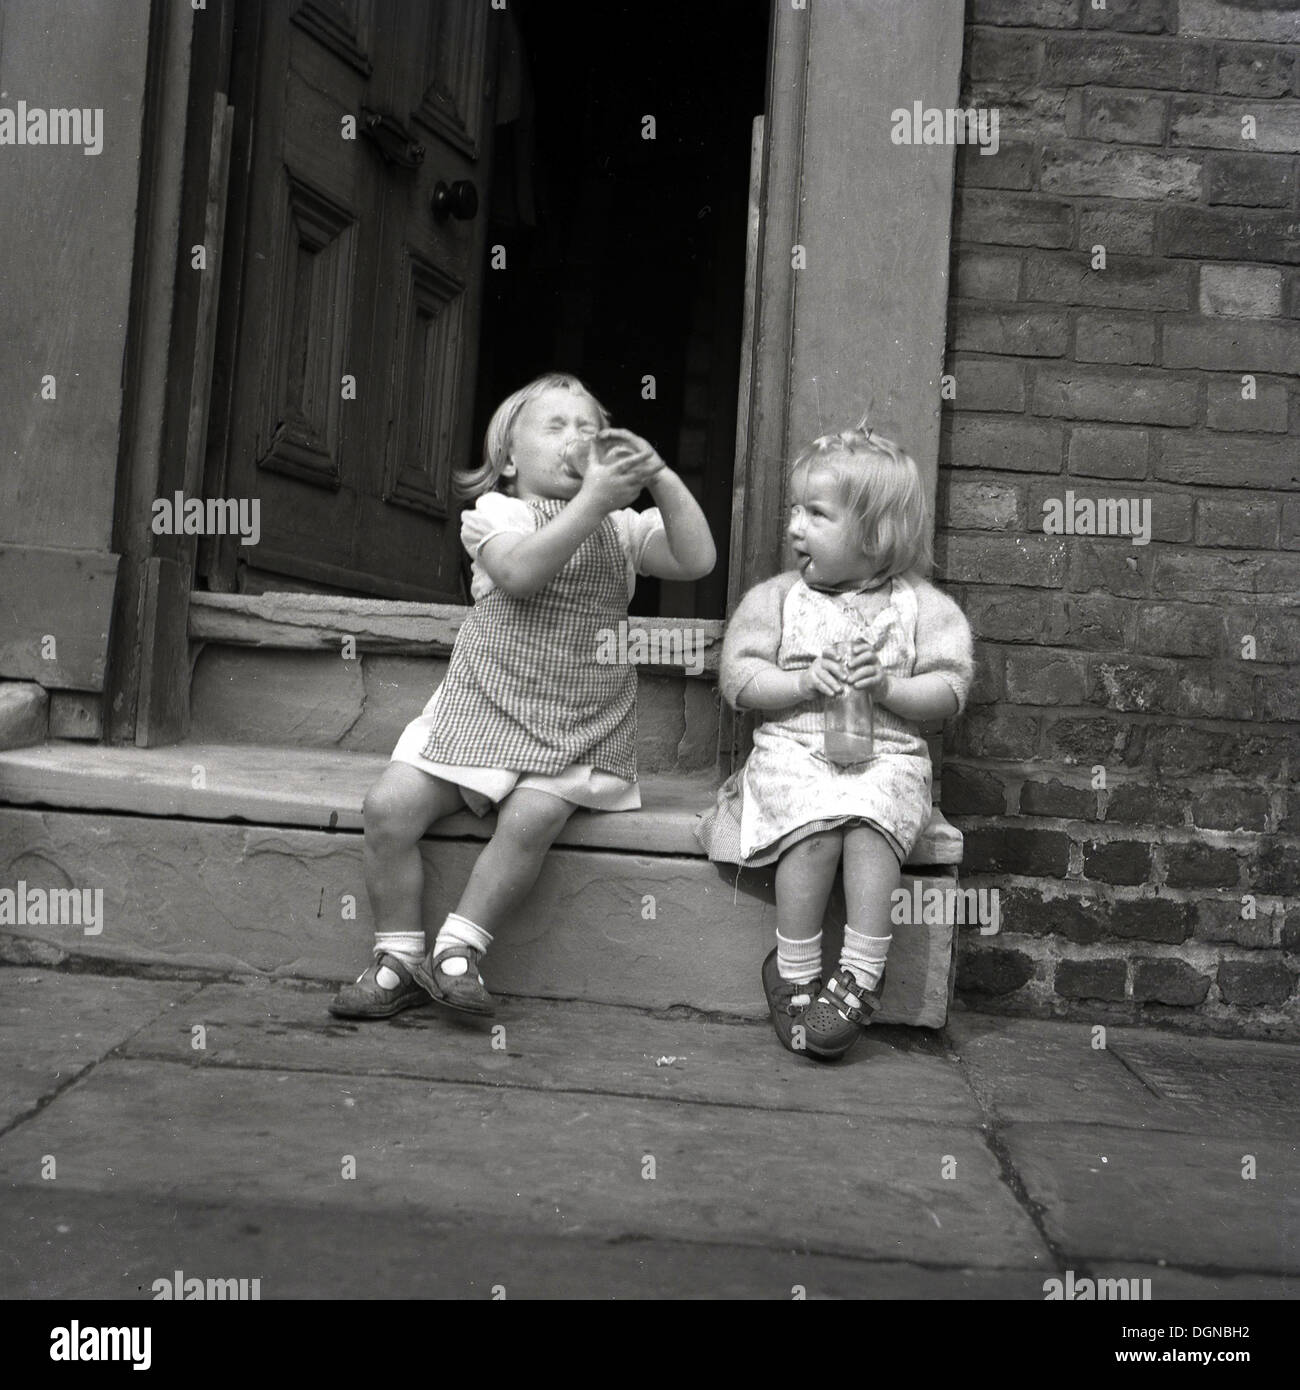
(753, 637)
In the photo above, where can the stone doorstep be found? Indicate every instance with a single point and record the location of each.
(324, 789)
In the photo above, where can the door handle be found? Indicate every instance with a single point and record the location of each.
(460, 200)
(393, 139)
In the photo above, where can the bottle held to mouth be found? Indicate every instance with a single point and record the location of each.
(579, 453)
(848, 731)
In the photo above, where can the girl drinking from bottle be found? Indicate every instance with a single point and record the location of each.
(812, 791)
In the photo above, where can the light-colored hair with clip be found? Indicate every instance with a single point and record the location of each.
(474, 482)
(882, 487)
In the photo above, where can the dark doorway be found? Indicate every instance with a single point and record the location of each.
(625, 255)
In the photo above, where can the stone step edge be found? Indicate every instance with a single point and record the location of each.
(323, 789)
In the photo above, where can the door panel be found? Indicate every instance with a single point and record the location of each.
(350, 272)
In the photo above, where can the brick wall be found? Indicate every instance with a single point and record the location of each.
(1126, 774)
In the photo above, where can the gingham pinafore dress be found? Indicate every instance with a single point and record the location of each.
(523, 688)
(787, 790)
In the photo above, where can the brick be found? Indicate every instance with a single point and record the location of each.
(24, 714)
(1137, 396)
(975, 504)
(1220, 920)
(1095, 622)
(1237, 19)
(968, 792)
(1178, 629)
(1250, 180)
(1008, 849)
(1218, 122)
(1123, 231)
(1114, 338)
(1150, 919)
(1180, 573)
(1226, 345)
(1011, 167)
(1131, 118)
(1013, 332)
(987, 687)
(997, 733)
(1091, 740)
(1230, 808)
(1026, 114)
(1140, 803)
(1124, 284)
(1253, 525)
(1104, 171)
(1055, 798)
(1171, 517)
(1213, 693)
(1217, 461)
(1091, 979)
(1029, 14)
(1293, 294)
(1254, 72)
(1276, 868)
(1100, 452)
(985, 275)
(1133, 16)
(1289, 824)
(1179, 750)
(1012, 219)
(983, 384)
(1169, 982)
(1006, 445)
(1104, 60)
(1117, 861)
(1201, 866)
(992, 971)
(1131, 684)
(1255, 984)
(1290, 538)
(1227, 409)
(1279, 699)
(1291, 931)
(1036, 561)
(1045, 677)
(1015, 616)
(1081, 921)
(1223, 235)
(1242, 291)
(990, 54)
(1110, 566)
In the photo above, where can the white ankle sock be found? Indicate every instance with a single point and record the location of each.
(799, 961)
(865, 956)
(407, 946)
(460, 931)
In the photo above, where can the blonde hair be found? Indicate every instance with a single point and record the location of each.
(473, 482)
(882, 488)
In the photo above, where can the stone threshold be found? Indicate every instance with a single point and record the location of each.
(320, 622)
(323, 789)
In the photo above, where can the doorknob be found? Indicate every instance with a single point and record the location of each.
(459, 201)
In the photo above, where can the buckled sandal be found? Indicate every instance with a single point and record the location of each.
(787, 1003)
(367, 998)
(839, 1015)
(465, 994)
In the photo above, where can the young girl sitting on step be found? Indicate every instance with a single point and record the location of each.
(860, 532)
(526, 719)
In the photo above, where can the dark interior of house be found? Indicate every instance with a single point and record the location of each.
(625, 256)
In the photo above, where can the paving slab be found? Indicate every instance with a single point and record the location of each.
(66, 1244)
(53, 1026)
(1042, 1070)
(1170, 1284)
(1217, 1085)
(547, 1162)
(1119, 1194)
(893, 1073)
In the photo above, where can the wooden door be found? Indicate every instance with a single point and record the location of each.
(353, 380)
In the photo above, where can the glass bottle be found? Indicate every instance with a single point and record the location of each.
(849, 718)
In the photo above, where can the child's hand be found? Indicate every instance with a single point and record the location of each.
(619, 470)
(824, 677)
(639, 452)
(863, 670)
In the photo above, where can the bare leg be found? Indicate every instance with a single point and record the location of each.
(398, 809)
(870, 876)
(527, 823)
(805, 874)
